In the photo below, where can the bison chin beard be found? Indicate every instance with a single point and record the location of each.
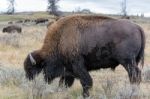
(31, 74)
(53, 71)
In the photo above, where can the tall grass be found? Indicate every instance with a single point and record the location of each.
(38, 89)
(146, 74)
(13, 40)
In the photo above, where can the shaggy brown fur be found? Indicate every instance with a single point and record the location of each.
(54, 34)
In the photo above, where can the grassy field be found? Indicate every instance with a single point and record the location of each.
(19, 16)
(107, 84)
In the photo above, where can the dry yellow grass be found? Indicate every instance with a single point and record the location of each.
(14, 48)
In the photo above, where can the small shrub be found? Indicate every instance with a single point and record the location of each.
(12, 40)
(36, 89)
(108, 88)
(128, 92)
(11, 76)
(146, 74)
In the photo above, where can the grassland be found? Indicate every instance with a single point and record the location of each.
(20, 16)
(107, 84)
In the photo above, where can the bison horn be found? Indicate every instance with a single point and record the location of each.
(32, 59)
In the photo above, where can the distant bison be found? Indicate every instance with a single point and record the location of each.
(10, 22)
(125, 17)
(41, 20)
(12, 28)
(75, 45)
(19, 21)
(27, 20)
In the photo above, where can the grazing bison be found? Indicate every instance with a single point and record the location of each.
(75, 45)
(27, 20)
(10, 22)
(41, 20)
(19, 21)
(125, 17)
(12, 28)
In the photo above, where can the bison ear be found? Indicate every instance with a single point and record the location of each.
(32, 59)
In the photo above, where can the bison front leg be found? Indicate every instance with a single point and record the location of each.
(80, 72)
(67, 80)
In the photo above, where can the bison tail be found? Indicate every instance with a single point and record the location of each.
(140, 57)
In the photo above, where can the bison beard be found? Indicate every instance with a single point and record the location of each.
(78, 44)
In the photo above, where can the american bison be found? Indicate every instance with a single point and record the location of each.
(10, 22)
(75, 45)
(19, 21)
(41, 20)
(125, 17)
(12, 28)
(27, 20)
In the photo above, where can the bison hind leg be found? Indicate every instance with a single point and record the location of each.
(133, 70)
(67, 80)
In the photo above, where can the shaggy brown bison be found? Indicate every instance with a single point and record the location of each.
(41, 20)
(12, 28)
(75, 45)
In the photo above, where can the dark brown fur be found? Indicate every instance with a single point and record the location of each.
(75, 45)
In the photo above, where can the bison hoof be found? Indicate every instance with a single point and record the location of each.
(135, 81)
(86, 94)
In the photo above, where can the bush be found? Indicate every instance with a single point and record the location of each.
(128, 91)
(36, 89)
(10, 76)
(12, 40)
(146, 74)
(108, 88)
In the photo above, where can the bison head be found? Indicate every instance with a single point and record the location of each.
(33, 65)
(52, 67)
